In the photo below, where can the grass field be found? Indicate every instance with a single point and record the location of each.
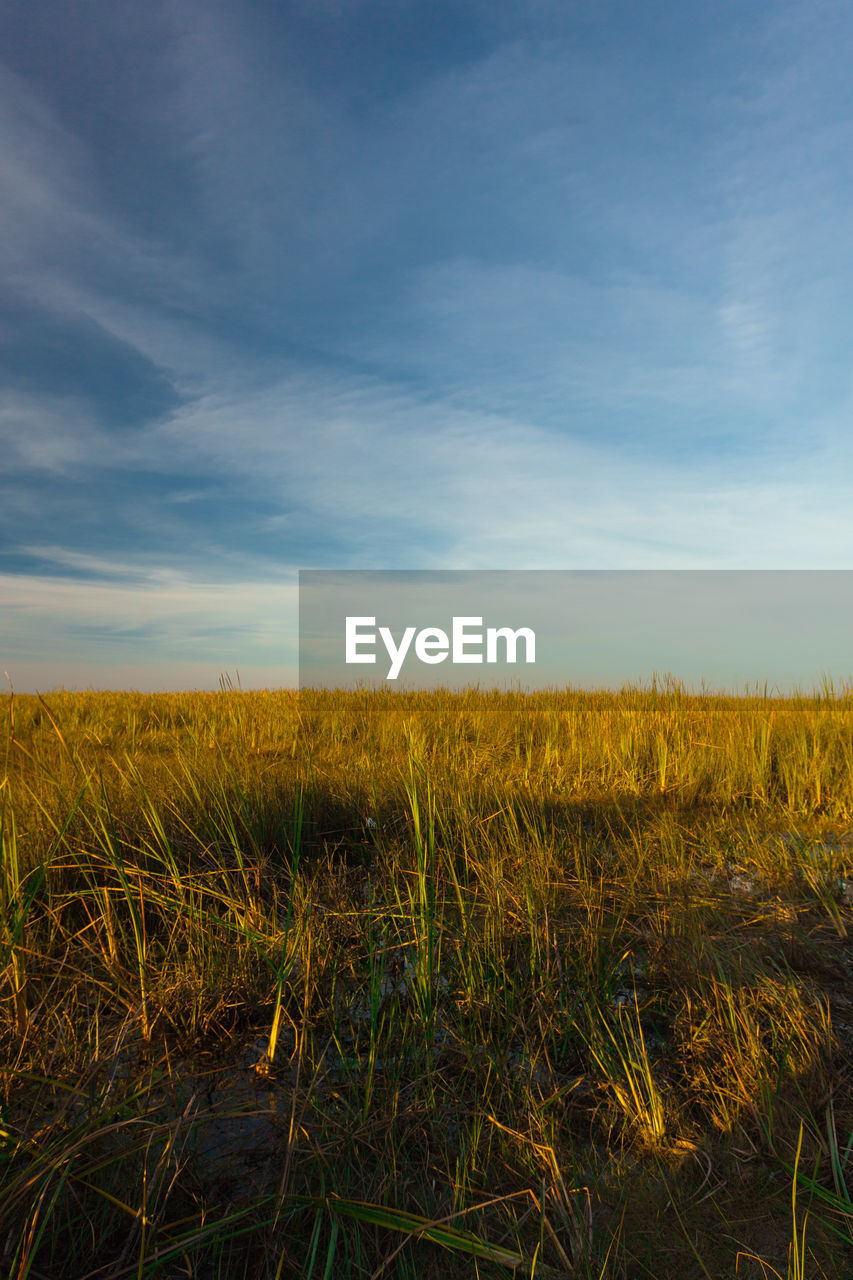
(426, 985)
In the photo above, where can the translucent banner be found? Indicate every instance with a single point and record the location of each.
(727, 630)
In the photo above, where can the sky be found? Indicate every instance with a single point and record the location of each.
(407, 284)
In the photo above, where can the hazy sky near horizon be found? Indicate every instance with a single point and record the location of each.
(407, 284)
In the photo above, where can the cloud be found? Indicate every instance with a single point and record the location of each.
(408, 483)
(70, 355)
(100, 566)
(786, 261)
(165, 620)
(410, 287)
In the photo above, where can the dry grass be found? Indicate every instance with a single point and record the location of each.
(426, 985)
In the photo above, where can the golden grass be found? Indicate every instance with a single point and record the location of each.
(425, 984)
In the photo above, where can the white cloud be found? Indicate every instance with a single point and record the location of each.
(628, 345)
(427, 485)
(100, 566)
(45, 433)
(168, 622)
(783, 173)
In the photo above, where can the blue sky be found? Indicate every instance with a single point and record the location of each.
(404, 284)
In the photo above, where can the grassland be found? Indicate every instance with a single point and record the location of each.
(317, 985)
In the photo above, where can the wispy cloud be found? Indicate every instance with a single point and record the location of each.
(165, 623)
(327, 284)
(408, 482)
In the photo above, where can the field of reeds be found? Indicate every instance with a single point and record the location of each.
(426, 985)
